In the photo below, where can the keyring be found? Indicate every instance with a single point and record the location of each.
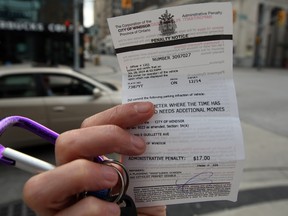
(112, 161)
(123, 185)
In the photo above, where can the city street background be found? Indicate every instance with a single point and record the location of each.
(42, 32)
(262, 101)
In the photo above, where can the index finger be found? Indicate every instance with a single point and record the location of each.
(105, 133)
(125, 115)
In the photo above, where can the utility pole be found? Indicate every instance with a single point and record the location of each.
(76, 35)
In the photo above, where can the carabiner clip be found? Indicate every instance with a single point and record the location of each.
(25, 162)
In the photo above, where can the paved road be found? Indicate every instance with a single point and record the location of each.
(262, 100)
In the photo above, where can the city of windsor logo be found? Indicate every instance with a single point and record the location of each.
(167, 25)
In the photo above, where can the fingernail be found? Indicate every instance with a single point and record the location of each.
(137, 142)
(143, 107)
(109, 174)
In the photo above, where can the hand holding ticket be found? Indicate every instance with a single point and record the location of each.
(180, 59)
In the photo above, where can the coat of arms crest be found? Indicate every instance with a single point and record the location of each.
(167, 24)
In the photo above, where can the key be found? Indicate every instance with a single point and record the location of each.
(128, 207)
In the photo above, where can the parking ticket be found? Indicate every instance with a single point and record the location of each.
(180, 59)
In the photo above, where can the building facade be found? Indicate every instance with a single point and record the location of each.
(40, 31)
(260, 27)
(260, 32)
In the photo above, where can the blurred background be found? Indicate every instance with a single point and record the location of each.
(74, 34)
(42, 31)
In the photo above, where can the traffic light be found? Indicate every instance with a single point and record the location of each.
(67, 23)
(126, 4)
(281, 17)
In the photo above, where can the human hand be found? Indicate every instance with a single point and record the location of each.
(55, 192)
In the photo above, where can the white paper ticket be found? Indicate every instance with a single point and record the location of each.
(180, 59)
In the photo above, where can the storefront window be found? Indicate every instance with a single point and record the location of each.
(18, 10)
(28, 26)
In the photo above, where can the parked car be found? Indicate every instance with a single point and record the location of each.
(58, 98)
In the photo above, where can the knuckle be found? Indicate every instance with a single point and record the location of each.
(31, 190)
(28, 191)
(91, 206)
(113, 116)
(94, 206)
(112, 130)
(83, 169)
(83, 173)
(62, 140)
(85, 123)
(61, 147)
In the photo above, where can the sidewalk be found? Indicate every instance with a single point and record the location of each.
(264, 186)
(97, 70)
(105, 65)
(279, 208)
(265, 152)
(267, 169)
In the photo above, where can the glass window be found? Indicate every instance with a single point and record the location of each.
(65, 85)
(18, 86)
(20, 10)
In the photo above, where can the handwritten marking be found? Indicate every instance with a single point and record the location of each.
(202, 177)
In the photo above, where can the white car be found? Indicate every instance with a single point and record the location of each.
(58, 98)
